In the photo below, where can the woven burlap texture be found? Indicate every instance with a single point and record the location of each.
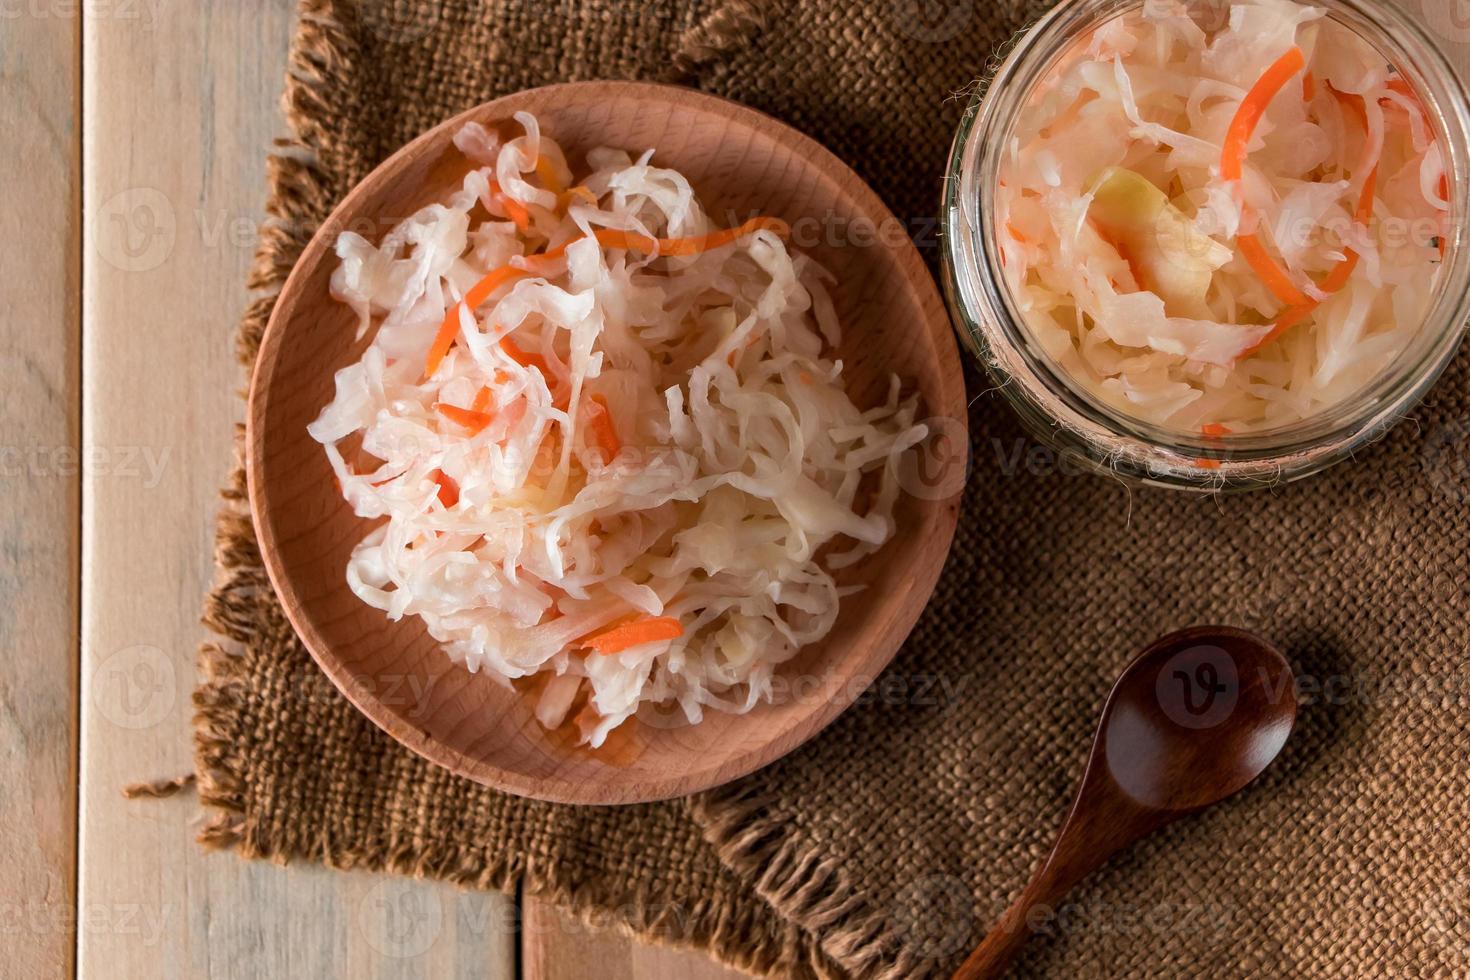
(885, 847)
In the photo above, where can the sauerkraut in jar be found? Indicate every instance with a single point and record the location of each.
(1216, 221)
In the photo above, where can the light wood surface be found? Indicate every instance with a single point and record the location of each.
(559, 947)
(893, 323)
(181, 108)
(39, 496)
(181, 98)
(178, 108)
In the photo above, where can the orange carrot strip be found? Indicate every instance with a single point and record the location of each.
(1366, 198)
(547, 172)
(1337, 279)
(534, 265)
(448, 489)
(518, 213)
(522, 358)
(614, 238)
(651, 629)
(478, 293)
(578, 193)
(1123, 253)
(608, 238)
(1402, 87)
(513, 208)
(475, 421)
(1275, 276)
(1340, 274)
(1444, 193)
(1211, 430)
(482, 400)
(551, 255)
(603, 430)
(1284, 323)
(1352, 103)
(1309, 87)
(1252, 108)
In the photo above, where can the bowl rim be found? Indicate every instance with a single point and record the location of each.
(680, 781)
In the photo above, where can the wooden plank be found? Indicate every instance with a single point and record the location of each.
(180, 108)
(181, 104)
(557, 946)
(40, 500)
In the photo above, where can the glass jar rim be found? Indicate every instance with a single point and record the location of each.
(1049, 399)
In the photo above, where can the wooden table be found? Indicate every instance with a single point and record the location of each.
(134, 141)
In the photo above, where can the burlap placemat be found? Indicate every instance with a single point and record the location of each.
(886, 846)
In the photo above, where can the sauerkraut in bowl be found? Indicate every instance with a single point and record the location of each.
(1213, 243)
(601, 440)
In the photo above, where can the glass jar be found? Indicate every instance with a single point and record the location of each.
(1074, 422)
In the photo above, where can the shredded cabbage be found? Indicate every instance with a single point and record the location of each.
(613, 437)
(1344, 187)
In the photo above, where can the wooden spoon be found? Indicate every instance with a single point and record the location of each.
(1193, 720)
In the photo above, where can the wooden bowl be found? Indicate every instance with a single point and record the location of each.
(740, 161)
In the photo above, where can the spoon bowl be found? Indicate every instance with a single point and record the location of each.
(1197, 717)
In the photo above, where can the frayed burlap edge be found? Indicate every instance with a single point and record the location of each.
(805, 886)
(727, 29)
(300, 193)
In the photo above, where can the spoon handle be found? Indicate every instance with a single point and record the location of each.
(1002, 944)
(1100, 824)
